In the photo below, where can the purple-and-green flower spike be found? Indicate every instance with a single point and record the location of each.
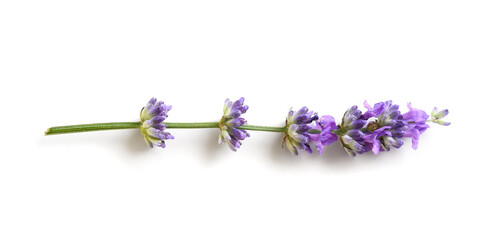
(152, 127)
(297, 131)
(230, 123)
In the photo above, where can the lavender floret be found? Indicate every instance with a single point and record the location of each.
(350, 134)
(386, 126)
(438, 115)
(298, 124)
(416, 124)
(152, 127)
(326, 125)
(231, 120)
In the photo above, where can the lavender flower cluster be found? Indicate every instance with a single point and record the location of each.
(231, 120)
(152, 127)
(380, 128)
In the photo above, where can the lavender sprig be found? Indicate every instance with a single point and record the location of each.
(381, 127)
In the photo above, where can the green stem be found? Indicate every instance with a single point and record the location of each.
(131, 125)
(192, 125)
(92, 127)
(262, 128)
(216, 125)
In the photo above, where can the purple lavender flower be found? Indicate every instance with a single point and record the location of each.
(298, 126)
(350, 134)
(326, 125)
(152, 127)
(230, 122)
(437, 116)
(416, 124)
(388, 126)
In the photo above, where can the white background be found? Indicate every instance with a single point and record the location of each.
(72, 62)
